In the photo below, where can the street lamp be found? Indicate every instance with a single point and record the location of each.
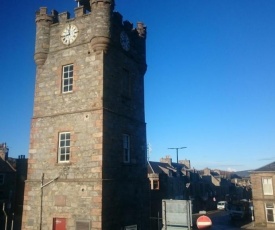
(178, 152)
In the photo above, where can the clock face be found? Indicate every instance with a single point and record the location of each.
(124, 41)
(69, 34)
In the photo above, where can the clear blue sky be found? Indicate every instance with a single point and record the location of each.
(210, 82)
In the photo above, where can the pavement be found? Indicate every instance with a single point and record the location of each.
(241, 225)
(251, 226)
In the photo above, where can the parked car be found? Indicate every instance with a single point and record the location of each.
(222, 205)
(239, 210)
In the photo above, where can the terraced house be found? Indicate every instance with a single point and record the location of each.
(263, 190)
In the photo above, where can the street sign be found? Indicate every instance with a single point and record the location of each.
(204, 222)
(176, 214)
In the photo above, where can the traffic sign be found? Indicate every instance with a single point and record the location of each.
(204, 222)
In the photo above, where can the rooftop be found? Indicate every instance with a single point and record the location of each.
(267, 168)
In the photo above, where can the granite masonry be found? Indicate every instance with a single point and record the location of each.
(87, 156)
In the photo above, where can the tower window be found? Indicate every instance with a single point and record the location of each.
(2, 177)
(64, 147)
(126, 83)
(126, 148)
(67, 78)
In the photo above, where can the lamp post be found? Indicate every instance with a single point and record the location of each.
(178, 152)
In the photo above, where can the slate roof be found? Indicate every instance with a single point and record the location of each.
(5, 166)
(160, 167)
(156, 167)
(267, 168)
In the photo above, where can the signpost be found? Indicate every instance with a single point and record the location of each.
(176, 214)
(204, 222)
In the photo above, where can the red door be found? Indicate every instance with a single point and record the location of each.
(59, 224)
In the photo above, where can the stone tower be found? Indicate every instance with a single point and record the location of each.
(87, 155)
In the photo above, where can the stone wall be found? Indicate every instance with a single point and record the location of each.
(259, 199)
(95, 185)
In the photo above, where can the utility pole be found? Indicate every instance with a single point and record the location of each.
(178, 152)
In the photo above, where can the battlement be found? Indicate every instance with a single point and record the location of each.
(100, 21)
(55, 17)
(84, 7)
(128, 26)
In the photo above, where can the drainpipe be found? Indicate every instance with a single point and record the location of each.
(41, 200)
(6, 216)
(41, 195)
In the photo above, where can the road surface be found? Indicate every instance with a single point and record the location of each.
(221, 221)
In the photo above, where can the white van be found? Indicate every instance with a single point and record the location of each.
(222, 205)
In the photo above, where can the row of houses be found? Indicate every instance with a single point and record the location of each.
(13, 173)
(168, 180)
(205, 188)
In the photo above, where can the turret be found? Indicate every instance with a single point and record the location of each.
(42, 42)
(102, 11)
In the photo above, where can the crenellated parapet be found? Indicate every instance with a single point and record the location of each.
(107, 4)
(136, 48)
(98, 25)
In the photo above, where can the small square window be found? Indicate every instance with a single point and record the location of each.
(82, 225)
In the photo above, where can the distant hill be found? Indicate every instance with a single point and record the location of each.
(245, 173)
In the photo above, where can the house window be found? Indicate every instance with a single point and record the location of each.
(126, 148)
(64, 148)
(2, 178)
(270, 212)
(67, 78)
(267, 186)
(155, 185)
